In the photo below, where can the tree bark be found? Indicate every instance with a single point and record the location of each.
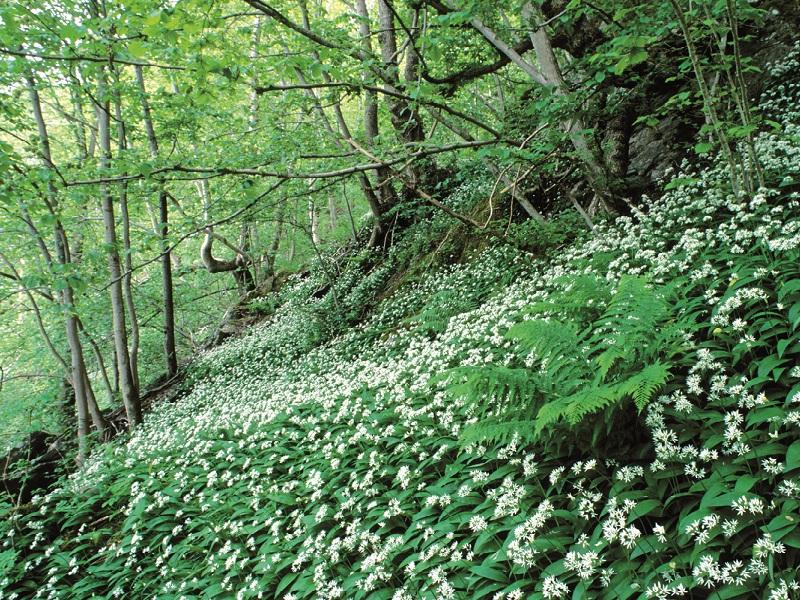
(313, 220)
(238, 266)
(406, 119)
(549, 74)
(383, 198)
(130, 394)
(584, 145)
(386, 194)
(130, 306)
(168, 301)
(332, 215)
(272, 252)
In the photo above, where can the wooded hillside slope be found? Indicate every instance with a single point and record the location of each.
(400, 300)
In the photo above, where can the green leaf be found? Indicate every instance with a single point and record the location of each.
(768, 364)
(643, 508)
(153, 18)
(793, 456)
(136, 49)
(703, 148)
(488, 572)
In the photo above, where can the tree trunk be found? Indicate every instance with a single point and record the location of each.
(98, 420)
(584, 145)
(272, 252)
(98, 356)
(313, 220)
(406, 119)
(170, 352)
(130, 394)
(350, 218)
(238, 266)
(79, 383)
(253, 121)
(386, 197)
(332, 215)
(77, 368)
(373, 199)
(549, 74)
(126, 246)
(292, 248)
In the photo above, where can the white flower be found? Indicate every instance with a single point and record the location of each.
(553, 588)
(660, 532)
(477, 523)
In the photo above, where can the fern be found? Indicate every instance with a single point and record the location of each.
(498, 431)
(607, 348)
(640, 387)
(644, 385)
(608, 358)
(489, 388)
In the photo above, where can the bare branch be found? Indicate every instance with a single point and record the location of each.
(89, 58)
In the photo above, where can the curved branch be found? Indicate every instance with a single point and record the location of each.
(473, 72)
(215, 265)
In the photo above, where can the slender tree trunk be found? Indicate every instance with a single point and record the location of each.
(377, 204)
(114, 365)
(170, 352)
(130, 394)
(77, 365)
(79, 128)
(386, 197)
(98, 420)
(292, 249)
(130, 306)
(350, 218)
(272, 252)
(98, 356)
(549, 74)
(313, 220)
(83, 155)
(253, 122)
(406, 119)
(79, 383)
(709, 103)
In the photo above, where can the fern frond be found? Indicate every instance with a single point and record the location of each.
(641, 387)
(551, 413)
(644, 385)
(490, 388)
(547, 339)
(608, 358)
(590, 401)
(498, 431)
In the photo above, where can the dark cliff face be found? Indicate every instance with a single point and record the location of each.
(772, 42)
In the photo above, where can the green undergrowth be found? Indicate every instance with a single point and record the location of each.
(615, 416)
